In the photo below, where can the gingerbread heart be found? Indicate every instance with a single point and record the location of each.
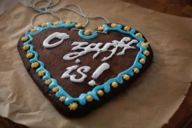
(79, 70)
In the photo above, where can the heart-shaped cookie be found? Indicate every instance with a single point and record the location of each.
(79, 70)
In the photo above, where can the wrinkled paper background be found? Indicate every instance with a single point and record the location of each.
(153, 98)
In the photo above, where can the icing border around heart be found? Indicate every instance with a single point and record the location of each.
(98, 90)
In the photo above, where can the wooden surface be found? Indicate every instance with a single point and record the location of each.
(5, 5)
(173, 7)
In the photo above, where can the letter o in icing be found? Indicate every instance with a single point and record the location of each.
(58, 35)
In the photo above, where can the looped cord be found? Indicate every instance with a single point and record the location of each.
(46, 10)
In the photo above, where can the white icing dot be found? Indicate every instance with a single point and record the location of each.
(92, 83)
(77, 61)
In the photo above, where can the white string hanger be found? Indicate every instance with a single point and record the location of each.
(47, 10)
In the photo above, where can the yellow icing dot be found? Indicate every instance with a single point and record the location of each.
(33, 30)
(24, 38)
(26, 47)
(114, 84)
(29, 55)
(145, 44)
(56, 23)
(127, 28)
(146, 52)
(139, 35)
(62, 98)
(89, 98)
(136, 70)
(41, 73)
(113, 25)
(100, 92)
(78, 25)
(142, 61)
(100, 28)
(35, 64)
(55, 89)
(73, 106)
(43, 25)
(48, 81)
(126, 77)
(67, 22)
(87, 32)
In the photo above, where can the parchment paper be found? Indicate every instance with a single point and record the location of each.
(151, 101)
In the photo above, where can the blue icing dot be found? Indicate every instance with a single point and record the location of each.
(47, 74)
(128, 72)
(69, 100)
(107, 88)
(41, 67)
(62, 24)
(93, 35)
(94, 95)
(61, 92)
(58, 25)
(81, 99)
(36, 32)
(30, 39)
(107, 29)
(72, 24)
(31, 47)
(120, 80)
(53, 83)
(35, 58)
(49, 24)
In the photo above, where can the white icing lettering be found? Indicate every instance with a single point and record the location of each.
(80, 70)
(106, 46)
(85, 47)
(69, 70)
(95, 47)
(122, 44)
(92, 83)
(61, 36)
(100, 70)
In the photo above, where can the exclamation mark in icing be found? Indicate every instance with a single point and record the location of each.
(98, 72)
